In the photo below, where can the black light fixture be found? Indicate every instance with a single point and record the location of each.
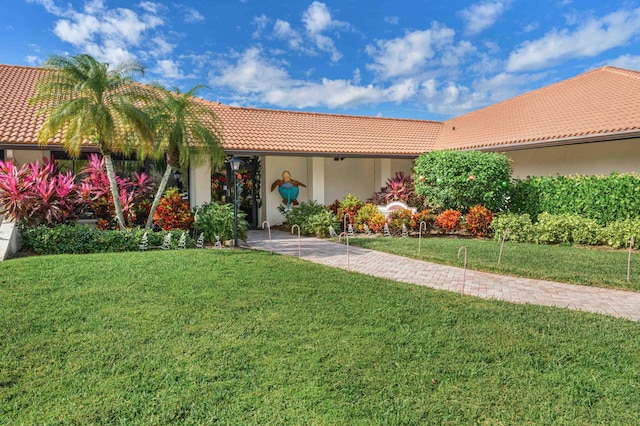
(177, 175)
(235, 163)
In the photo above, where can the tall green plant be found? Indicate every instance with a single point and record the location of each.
(84, 101)
(217, 219)
(462, 179)
(187, 131)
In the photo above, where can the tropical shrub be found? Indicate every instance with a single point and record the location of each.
(478, 220)
(449, 221)
(173, 212)
(397, 218)
(398, 188)
(422, 216)
(605, 199)
(134, 195)
(377, 222)
(75, 239)
(462, 179)
(618, 234)
(519, 226)
(364, 215)
(217, 219)
(319, 223)
(564, 228)
(349, 206)
(300, 214)
(35, 194)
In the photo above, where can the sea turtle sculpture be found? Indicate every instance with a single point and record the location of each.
(288, 189)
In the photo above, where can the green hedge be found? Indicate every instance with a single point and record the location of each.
(459, 180)
(605, 199)
(73, 239)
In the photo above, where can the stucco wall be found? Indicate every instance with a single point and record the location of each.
(400, 165)
(349, 176)
(590, 158)
(273, 168)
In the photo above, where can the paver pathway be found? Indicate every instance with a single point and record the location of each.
(617, 303)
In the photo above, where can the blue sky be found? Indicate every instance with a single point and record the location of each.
(420, 59)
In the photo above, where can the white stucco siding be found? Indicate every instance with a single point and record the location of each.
(402, 165)
(349, 176)
(200, 183)
(273, 168)
(589, 158)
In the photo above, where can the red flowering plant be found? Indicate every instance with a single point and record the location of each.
(399, 188)
(218, 186)
(134, 194)
(173, 212)
(478, 219)
(449, 221)
(349, 208)
(35, 194)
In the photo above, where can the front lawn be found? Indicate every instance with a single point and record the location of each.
(576, 265)
(243, 337)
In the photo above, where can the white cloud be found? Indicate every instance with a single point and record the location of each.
(481, 16)
(631, 62)
(317, 18)
(32, 60)
(591, 38)
(393, 20)
(409, 54)
(262, 80)
(110, 35)
(170, 69)
(260, 23)
(191, 15)
(282, 30)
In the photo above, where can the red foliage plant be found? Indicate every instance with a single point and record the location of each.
(173, 212)
(397, 218)
(449, 221)
(478, 220)
(38, 194)
(134, 194)
(422, 216)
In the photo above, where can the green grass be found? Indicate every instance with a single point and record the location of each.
(577, 265)
(241, 337)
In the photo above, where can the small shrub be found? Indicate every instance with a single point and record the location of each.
(519, 225)
(377, 222)
(300, 214)
(364, 215)
(566, 229)
(422, 216)
(217, 219)
(618, 234)
(349, 206)
(449, 221)
(478, 220)
(318, 224)
(173, 212)
(397, 218)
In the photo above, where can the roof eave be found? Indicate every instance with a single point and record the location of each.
(600, 137)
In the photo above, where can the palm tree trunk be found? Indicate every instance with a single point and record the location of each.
(156, 200)
(113, 184)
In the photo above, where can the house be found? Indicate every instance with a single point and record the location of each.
(587, 124)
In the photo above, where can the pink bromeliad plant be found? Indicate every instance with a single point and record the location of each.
(38, 194)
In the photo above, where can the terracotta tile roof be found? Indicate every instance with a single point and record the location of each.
(246, 129)
(600, 104)
(264, 131)
(18, 123)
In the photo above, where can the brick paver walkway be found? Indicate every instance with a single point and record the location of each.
(616, 303)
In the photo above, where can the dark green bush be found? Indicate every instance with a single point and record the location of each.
(217, 219)
(605, 199)
(459, 180)
(74, 239)
(318, 224)
(300, 214)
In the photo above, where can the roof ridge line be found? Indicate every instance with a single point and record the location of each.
(287, 111)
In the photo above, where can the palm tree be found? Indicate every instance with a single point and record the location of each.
(187, 131)
(86, 102)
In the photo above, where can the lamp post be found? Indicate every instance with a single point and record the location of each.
(177, 175)
(235, 166)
